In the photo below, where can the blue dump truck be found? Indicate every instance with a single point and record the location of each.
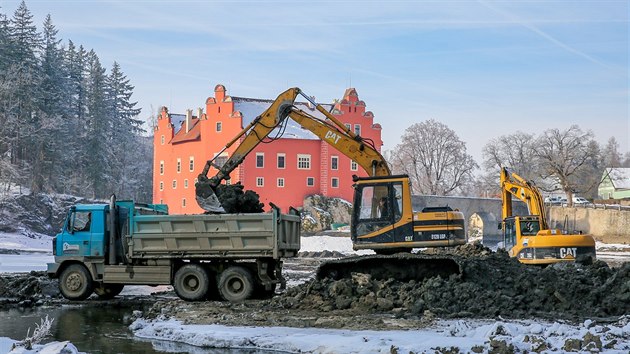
(103, 247)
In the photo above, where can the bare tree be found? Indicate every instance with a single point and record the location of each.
(567, 156)
(516, 151)
(434, 158)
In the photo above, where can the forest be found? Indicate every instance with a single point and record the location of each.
(67, 123)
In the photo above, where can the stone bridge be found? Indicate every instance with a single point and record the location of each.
(481, 213)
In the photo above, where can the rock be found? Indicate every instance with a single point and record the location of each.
(572, 345)
(319, 213)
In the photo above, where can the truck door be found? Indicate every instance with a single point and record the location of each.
(77, 235)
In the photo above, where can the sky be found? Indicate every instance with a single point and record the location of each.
(483, 68)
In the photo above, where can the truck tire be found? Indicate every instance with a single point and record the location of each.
(191, 282)
(107, 291)
(236, 284)
(75, 282)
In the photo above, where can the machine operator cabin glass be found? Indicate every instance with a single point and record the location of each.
(80, 221)
(373, 208)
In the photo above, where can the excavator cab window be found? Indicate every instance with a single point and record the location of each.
(377, 206)
(509, 236)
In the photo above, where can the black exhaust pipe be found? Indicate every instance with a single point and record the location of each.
(112, 230)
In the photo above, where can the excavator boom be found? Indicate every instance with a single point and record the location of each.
(330, 130)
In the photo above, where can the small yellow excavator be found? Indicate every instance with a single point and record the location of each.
(383, 219)
(529, 237)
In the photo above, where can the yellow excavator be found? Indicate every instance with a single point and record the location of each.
(383, 219)
(529, 237)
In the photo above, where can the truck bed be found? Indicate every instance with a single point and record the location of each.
(215, 235)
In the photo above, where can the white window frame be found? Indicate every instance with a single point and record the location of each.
(304, 160)
(162, 168)
(280, 182)
(262, 155)
(260, 181)
(219, 127)
(179, 165)
(186, 183)
(174, 184)
(333, 181)
(336, 162)
(354, 166)
(310, 185)
(284, 157)
(162, 140)
(161, 186)
(357, 129)
(191, 163)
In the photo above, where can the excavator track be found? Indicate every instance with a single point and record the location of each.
(400, 266)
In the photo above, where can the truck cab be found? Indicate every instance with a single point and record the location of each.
(83, 232)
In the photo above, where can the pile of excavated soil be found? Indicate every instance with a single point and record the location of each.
(27, 290)
(491, 284)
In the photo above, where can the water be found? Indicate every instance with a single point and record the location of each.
(92, 329)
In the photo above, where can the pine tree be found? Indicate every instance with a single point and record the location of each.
(25, 44)
(125, 130)
(48, 141)
(98, 145)
(76, 127)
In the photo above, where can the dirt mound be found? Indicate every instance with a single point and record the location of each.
(27, 289)
(491, 284)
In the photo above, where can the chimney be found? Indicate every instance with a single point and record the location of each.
(188, 120)
(199, 113)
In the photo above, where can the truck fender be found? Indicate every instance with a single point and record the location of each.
(91, 267)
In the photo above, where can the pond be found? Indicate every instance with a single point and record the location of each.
(93, 330)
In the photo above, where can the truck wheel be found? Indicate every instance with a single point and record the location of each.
(191, 282)
(236, 284)
(107, 291)
(75, 282)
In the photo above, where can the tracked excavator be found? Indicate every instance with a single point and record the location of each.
(382, 219)
(528, 237)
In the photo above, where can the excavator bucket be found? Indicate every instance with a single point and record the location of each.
(207, 198)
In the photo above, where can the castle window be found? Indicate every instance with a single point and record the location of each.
(304, 162)
(260, 160)
(219, 126)
(334, 182)
(260, 181)
(334, 162)
(281, 161)
(280, 182)
(310, 181)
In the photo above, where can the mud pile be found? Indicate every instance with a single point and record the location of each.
(491, 285)
(27, 290)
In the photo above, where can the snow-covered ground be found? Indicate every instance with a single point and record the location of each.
(467, 335)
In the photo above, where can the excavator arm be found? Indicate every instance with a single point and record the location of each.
(330, 130)
(514, 185)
